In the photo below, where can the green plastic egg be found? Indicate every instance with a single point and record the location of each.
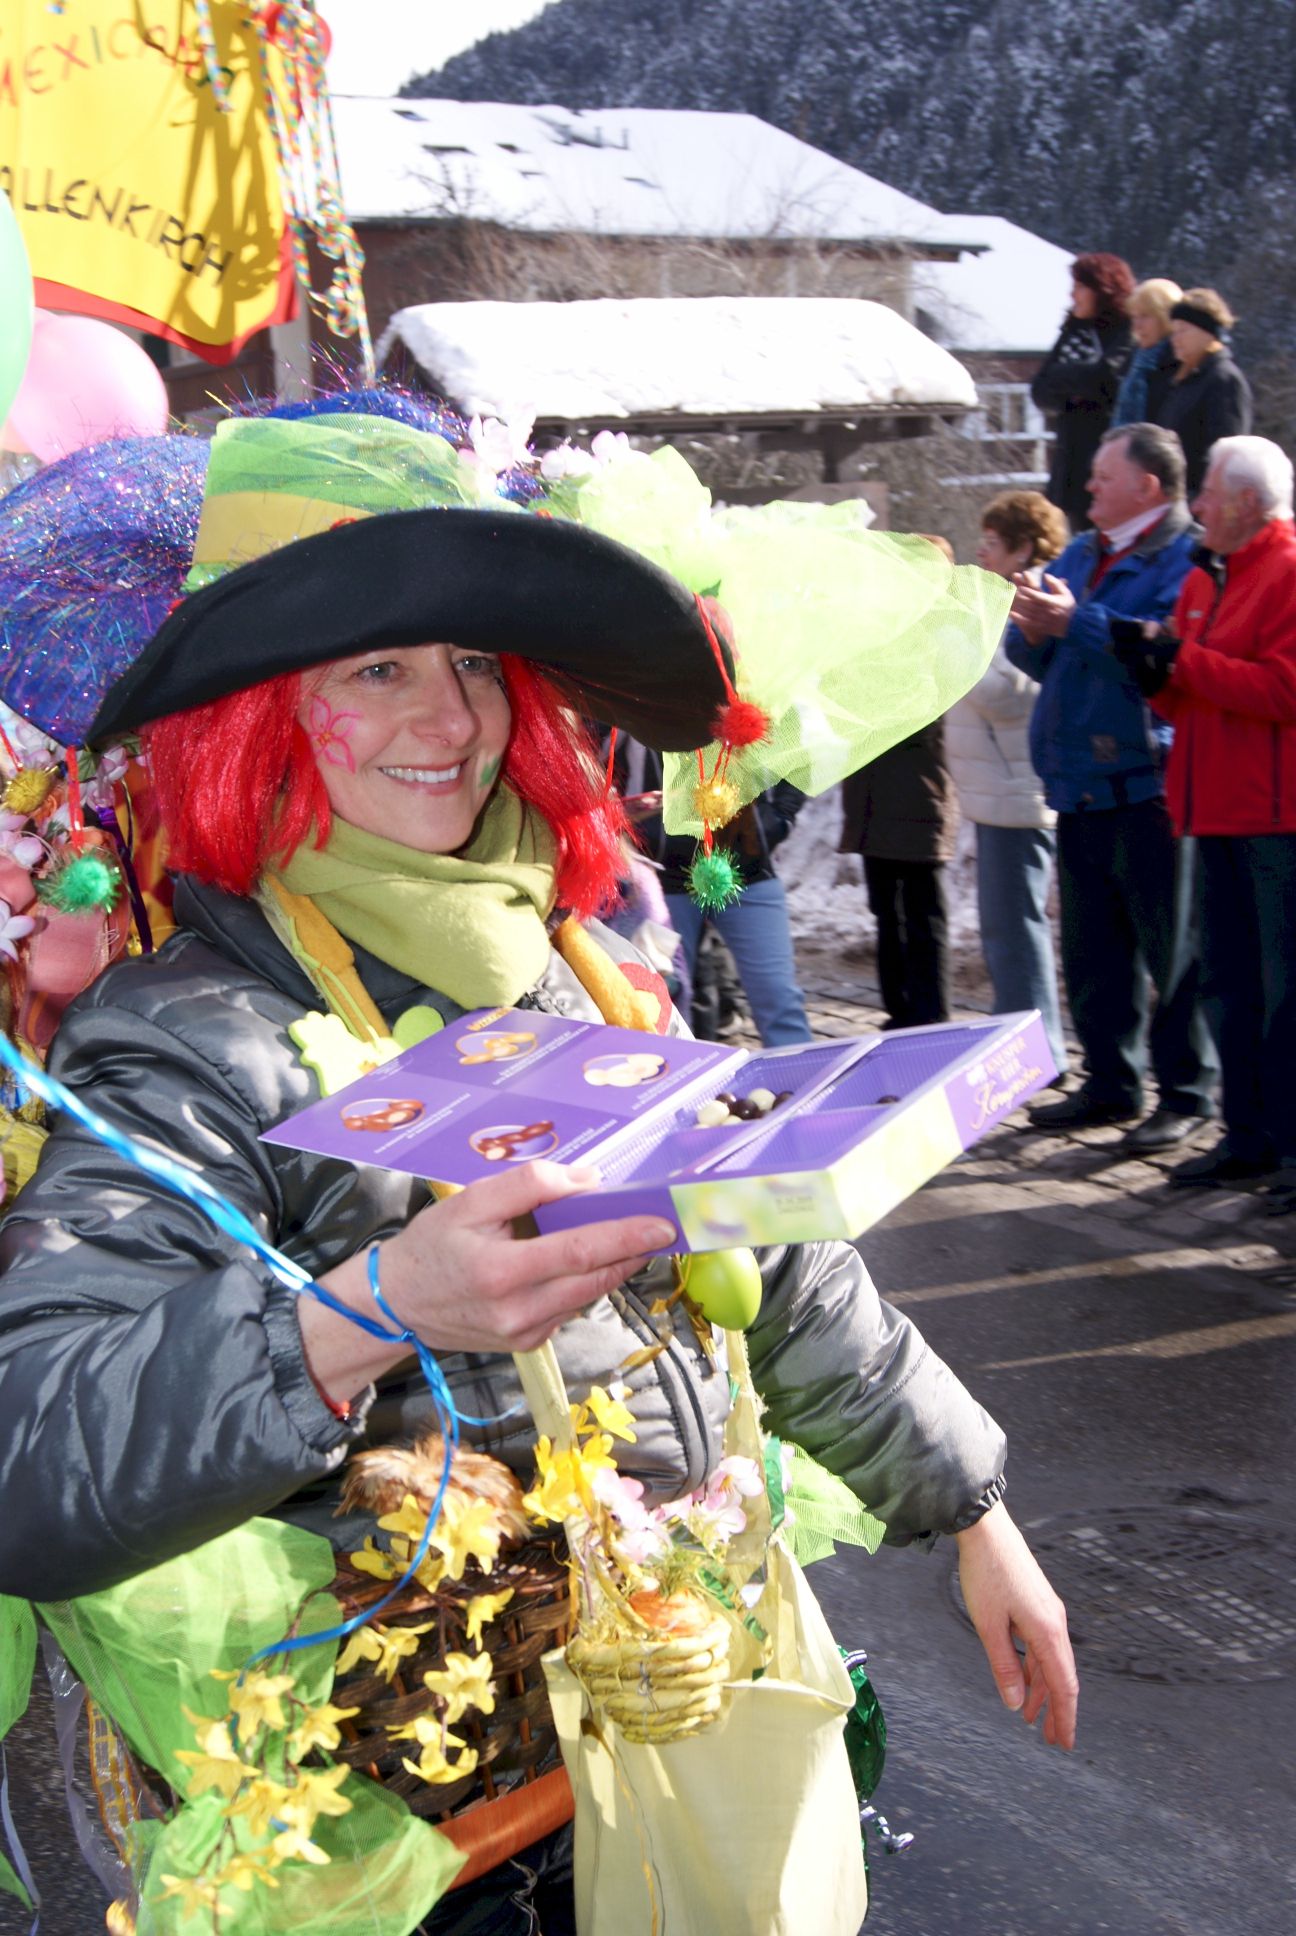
(726, 1287)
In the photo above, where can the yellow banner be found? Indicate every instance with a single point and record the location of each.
(130, 182)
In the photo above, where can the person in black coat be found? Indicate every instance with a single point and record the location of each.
(1208, 396)
(1078, 380)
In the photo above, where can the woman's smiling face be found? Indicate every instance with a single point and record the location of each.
(409, 740)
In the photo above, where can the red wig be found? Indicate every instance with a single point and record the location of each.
(1110, 278)
(238, 789)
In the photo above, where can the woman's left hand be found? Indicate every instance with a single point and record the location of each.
(1009, 1599)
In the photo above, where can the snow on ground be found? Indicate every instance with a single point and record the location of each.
(826, 901)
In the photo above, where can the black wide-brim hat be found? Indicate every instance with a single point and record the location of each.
(624, 640)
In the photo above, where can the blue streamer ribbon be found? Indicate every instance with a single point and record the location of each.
(227, 1217)
(22, 1867)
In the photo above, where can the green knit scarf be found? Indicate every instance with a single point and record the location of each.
(471, 924)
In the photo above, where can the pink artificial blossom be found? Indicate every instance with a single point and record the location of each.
(24, 849)
(109, 774)
(13, 928)
(643, 1536)
(715, 1512)
(499, 446)
(610, 446)
(31, 745)
(565, 460)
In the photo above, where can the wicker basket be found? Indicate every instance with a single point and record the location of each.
(516, 1743)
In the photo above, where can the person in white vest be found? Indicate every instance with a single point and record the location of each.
(986, 745)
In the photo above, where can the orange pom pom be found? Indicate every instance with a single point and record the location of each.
(741, 723)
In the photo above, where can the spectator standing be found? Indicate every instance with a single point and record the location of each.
(755, 928)
(901, 814)
(1208, 397)
(1231, 783)
(1151, 367)
(1078, 380)
(986, 740)
(1125, 885)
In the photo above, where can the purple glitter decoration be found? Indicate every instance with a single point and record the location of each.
(93, 554)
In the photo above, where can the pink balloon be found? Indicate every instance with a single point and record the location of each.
(85, 381)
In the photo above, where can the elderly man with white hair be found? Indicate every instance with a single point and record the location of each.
(1225, 676)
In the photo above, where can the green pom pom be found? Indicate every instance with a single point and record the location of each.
(82, 884)
(714, 881)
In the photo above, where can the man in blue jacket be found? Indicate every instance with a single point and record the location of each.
(1124, 883)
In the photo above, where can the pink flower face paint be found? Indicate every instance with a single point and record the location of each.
(330, 733)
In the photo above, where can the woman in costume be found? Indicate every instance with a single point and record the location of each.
(380, 805)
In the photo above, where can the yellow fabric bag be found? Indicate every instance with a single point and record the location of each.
(751, 1826)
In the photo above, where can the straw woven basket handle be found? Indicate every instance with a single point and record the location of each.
(545, 1392)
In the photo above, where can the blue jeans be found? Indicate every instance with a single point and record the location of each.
(1126, 888)
(1014, 868)
(757, 934)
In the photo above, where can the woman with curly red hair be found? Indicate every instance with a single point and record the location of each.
(1078, 381)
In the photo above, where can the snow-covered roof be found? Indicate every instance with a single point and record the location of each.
(1012, 297)
(703, 356)
(614, 171)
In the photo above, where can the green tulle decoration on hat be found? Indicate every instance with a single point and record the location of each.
(849, 639)
(82, 884)
(714, 881)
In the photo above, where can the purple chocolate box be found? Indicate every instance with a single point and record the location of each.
(867, 1122)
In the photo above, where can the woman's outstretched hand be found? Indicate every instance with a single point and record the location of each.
(459, 1278)
(1009, 1599)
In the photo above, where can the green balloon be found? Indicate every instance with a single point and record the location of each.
(15, 307)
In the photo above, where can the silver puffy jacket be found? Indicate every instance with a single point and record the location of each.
(153, 1388)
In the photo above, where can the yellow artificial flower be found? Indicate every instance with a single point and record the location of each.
(292, 1845)
(261, 1801)
(482, 1609)
(256, 1699)
(432, 1765)
(467, 1529)
(317, 1792)
(423, 1728)
(386, 1646)
(464, 1682)
(318, 1728)
(409, 1518)
(217, 1764)
(609, 1413)
(372, 1559)
(247, 1867)
(565, 1487)
(197, 1894)
(431, 1570)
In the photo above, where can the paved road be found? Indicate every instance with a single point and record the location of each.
(1141, 1351)
(1147, 1390)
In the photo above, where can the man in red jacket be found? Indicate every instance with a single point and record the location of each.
(1229, 689)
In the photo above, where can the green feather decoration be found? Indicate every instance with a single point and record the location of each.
(82, 885)
(714, 881)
